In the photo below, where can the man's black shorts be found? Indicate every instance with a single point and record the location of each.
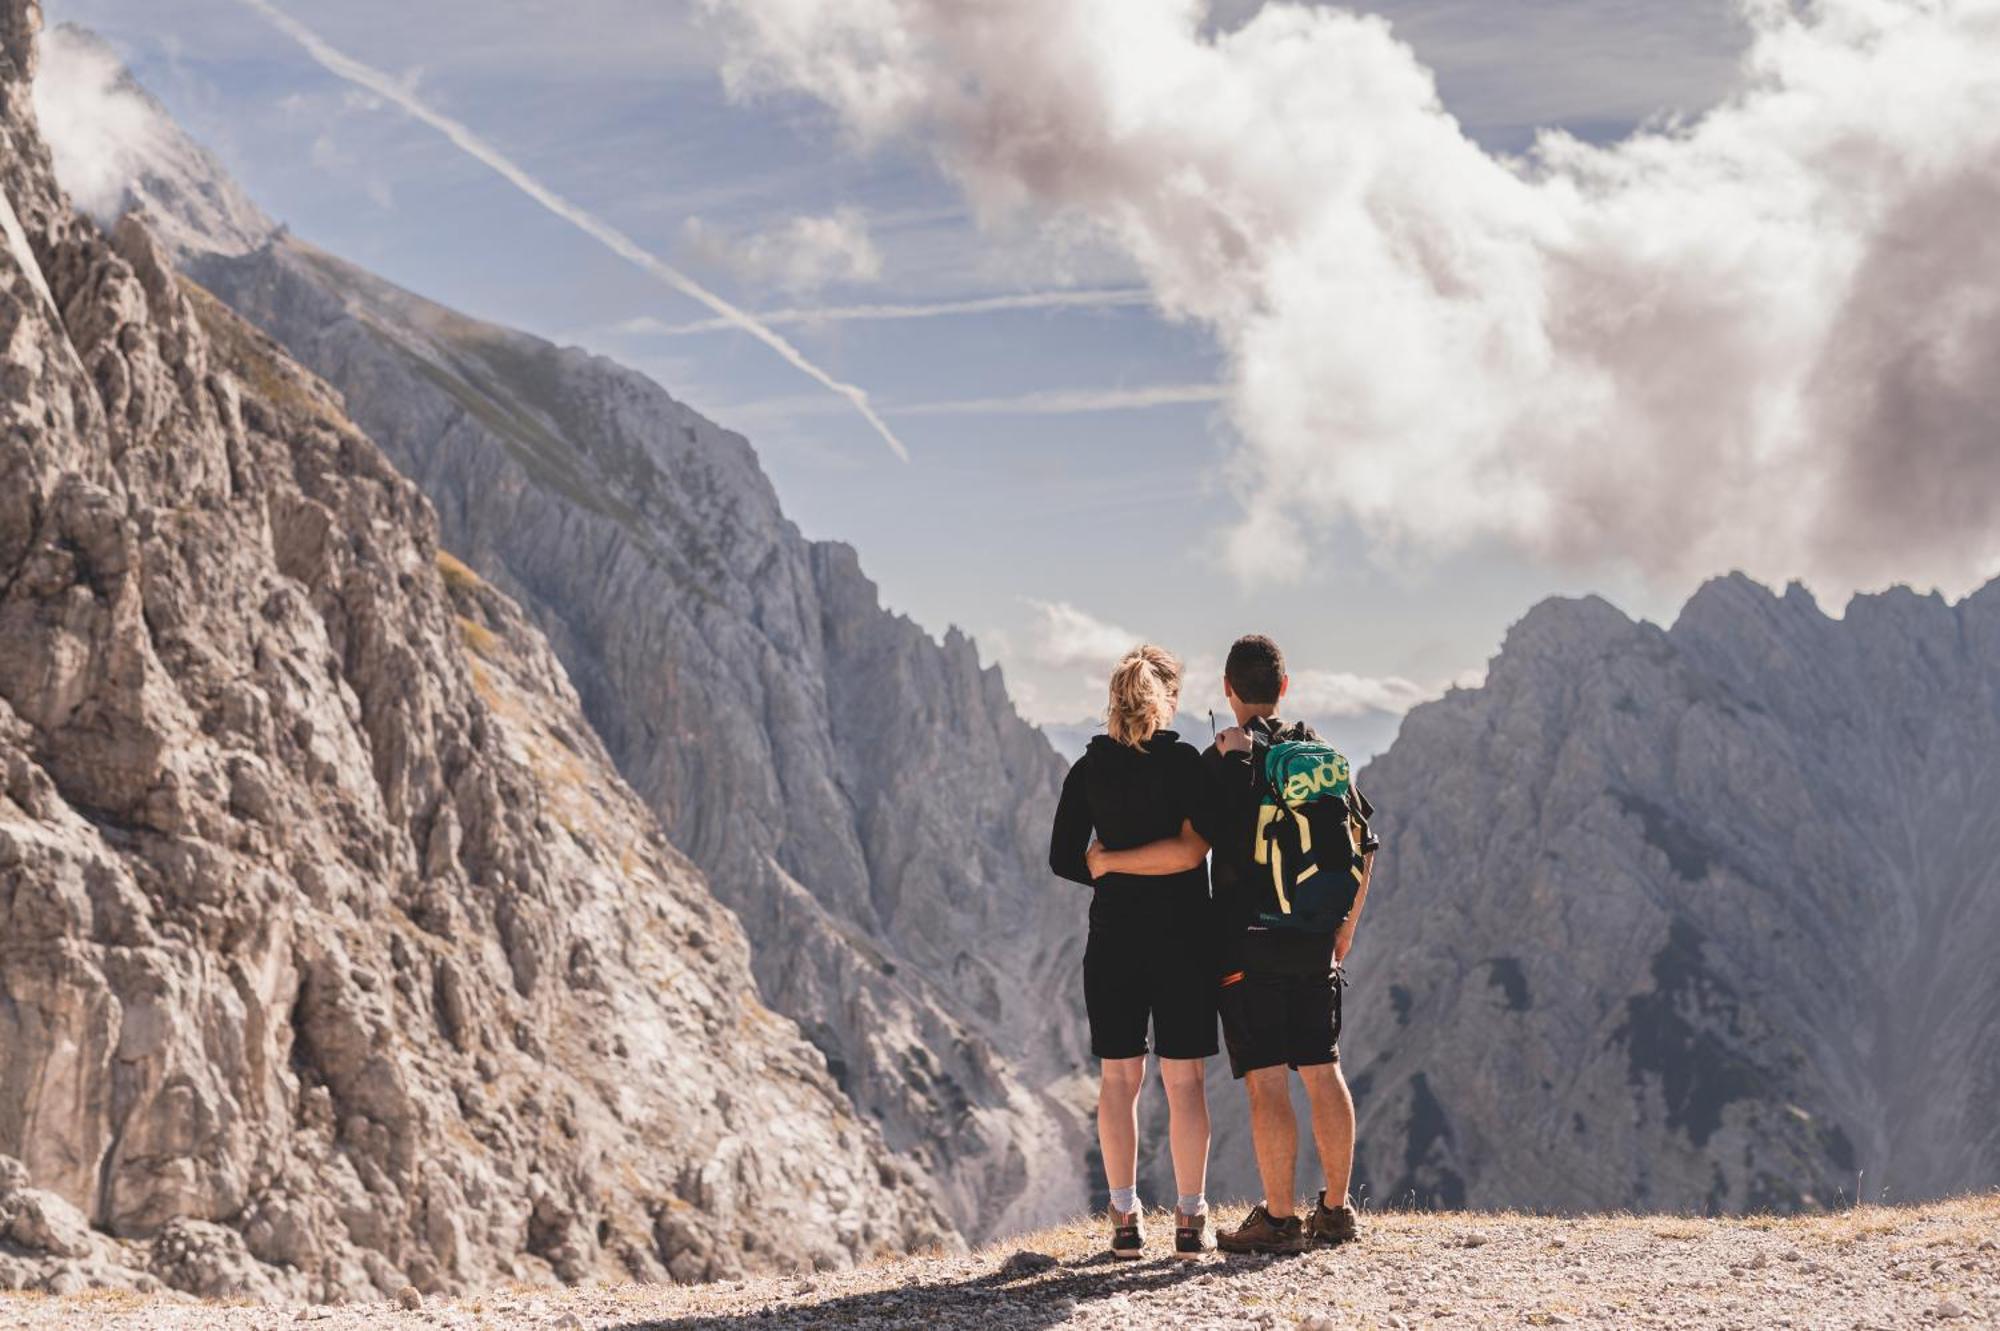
(1274, 1019)
(1131, 976)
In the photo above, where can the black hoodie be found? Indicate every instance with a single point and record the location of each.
(1130, 797)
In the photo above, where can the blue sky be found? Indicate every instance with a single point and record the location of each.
(1008, 506)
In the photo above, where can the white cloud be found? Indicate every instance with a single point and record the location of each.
(801, 255)
(1336, 693)
(104, 129)
(1073, 644)
(1067, 637)
(1763, 338)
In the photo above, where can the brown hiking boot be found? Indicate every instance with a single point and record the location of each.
(1331, 1224)
(1128, 1240)
(1191, 1235)
(1260, 1232)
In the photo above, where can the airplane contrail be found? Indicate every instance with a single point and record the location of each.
(1031, 300)
(1060, 402)
(374, 80)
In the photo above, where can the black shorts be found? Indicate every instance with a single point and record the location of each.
(1132, 976)
(1280, 1020)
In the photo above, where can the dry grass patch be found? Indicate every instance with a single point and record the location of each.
(1688, 1230)
(477, 637)
(455, 573)
(116, 1300)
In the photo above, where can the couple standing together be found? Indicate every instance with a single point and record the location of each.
(1140, 814)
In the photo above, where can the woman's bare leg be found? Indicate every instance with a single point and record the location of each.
(1118, 1119)
(1187, 1130)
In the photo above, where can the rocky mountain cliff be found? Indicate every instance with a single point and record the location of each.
(334, 954)
(863, 795)
(1698, 917)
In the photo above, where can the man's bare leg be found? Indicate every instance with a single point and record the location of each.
(1333, 1126)
(1275, 1132)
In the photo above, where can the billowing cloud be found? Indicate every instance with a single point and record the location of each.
(1765, 337)
(1335, 693)
(1078, 649)
(800, 256)
(104, 128)
(1067, 637)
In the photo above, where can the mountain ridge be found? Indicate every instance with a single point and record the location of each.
(861, 793)
(336, 958)
(1712, 884)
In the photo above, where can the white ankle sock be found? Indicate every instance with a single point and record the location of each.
(1125, 1200)
(1193, 1206)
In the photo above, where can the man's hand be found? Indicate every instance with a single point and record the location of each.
(1093, 858)
(1233, 740)
(1343, 943)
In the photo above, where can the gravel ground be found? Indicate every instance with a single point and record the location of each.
(1865, 1268)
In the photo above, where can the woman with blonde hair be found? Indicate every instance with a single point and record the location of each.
(1151, 953)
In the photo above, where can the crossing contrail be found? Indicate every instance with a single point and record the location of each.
(1030, 300)
(374, 80)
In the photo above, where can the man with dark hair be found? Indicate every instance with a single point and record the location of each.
(1280, 987)
(1254, 670)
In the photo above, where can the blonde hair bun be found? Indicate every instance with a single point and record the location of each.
(1145, 689)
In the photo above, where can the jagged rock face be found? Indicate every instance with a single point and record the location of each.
(864, 796)
(1692, 918)
(334, 954)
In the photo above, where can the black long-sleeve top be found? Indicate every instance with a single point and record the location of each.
(1131, 797)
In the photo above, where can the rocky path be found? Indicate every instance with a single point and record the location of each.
(1872, 1267)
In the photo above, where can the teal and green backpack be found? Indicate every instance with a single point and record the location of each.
(1311, 827)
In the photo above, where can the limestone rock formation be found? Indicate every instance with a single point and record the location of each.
(1698, 917)
(862, 794)
(334, 953)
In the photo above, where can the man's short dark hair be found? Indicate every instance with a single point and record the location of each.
(1255, 668)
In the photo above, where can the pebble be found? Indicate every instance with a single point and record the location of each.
(1474, 1238)
(1026, 1263)
(1952, 1308)
(408, 1299)
(569, 1322)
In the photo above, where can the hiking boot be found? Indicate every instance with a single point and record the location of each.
(1128, 1241)
(1191, 1235)
(1331, 1224)
(1259, 1232)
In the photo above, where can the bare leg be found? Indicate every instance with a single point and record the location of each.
(1118, 1118)
(1276, 1135)
(1333, 1126)
(1187, 1123)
